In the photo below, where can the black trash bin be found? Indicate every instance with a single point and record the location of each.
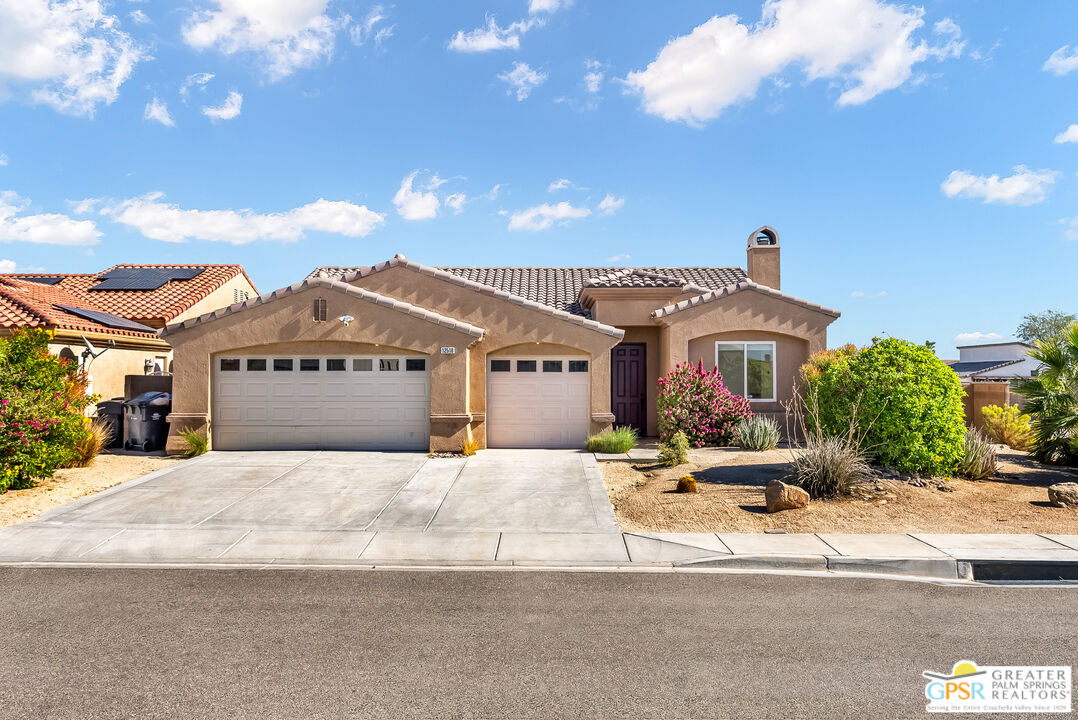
(145, 416)
(111, 412)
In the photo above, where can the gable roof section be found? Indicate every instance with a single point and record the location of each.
(26, 303)
(560, 287)
(554, 292)
(729, 290)
(159, 304)
(973, 367)
(338, 286)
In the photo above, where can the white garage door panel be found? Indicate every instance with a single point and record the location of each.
(540, 409)
(352, 409)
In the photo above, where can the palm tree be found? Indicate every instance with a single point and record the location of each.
(1052, 398)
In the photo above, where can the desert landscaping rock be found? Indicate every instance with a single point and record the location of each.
(1063, 494)
(780, 496)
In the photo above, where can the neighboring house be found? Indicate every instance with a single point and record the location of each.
(404, 356)
(994, 362)
(121, 309)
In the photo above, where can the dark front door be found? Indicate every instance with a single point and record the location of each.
(628, 386)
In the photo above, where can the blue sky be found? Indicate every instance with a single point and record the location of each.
(919, 162)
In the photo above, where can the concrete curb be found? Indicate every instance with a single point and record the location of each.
(943, 568)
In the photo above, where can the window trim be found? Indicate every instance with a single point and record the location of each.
(745, 366)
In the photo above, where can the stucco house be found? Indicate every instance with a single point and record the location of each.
(120, 309)
(405, 356)
(995, 362)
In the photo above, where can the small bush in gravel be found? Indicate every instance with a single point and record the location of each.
(829, 466)
(195, 441)
(618, 440)
(978, 459)
(758, 433)
(675, 451)
(687, 484)
(1008, 425)
(91, 443)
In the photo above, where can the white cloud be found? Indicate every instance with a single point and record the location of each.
(972, 338)
(139, 18)
(84, 206)
(3, 159)
(610, 204)
(199, 79)
(158, 110)
(285, 36)
(593, 78)
(861, 294)
(560, 184)
(69, 55)
(1071, 231)
(1024, 187)
(522, 79)
(7, 266)
(1070, 135)
(865, 47)
(419, 204)
(491, 36)
(43, 229)
(456, 202)
(1061, 62)
(621, 257)
(544, 216)
(547, 6)
(168, 222)
(367, 28)
(227, 110)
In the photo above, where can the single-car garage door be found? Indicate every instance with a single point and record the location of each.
(537, 402)
(329, 402)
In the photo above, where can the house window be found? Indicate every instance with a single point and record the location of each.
(415, 364)
(500, 366)
(385, 365)
(363, 365)
(578, 366)
(282, 364)
(309, 365)
(230, 364)
(552, 366)
(748, 368)
(256, 364)
(525, 366)
(335, 365)
(320, 310)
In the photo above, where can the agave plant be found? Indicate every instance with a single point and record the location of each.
(1052, 398)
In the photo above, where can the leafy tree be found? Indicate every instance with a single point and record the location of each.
(1052, 398)
(1044, 326)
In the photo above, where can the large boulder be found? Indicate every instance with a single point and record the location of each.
(780, 496)
(1063, 494)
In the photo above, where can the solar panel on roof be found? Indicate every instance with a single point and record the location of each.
(41, 280)
(144, 278)
(106, 319)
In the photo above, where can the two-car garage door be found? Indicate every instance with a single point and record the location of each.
(328, 402)
(538, 402)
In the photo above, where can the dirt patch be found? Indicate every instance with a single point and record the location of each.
(18, 506)
(731, 499)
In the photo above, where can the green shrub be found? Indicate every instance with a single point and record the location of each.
(42, 404)
(1052, 398)
(906, 403)
(1008, 425)
(618, 440)
(195, 442)
(697, 404)
(978, 457)
(675, 451)
(827, 466)
(758, 433)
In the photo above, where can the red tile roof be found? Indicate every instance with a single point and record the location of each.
(151, 307)
(31, 304)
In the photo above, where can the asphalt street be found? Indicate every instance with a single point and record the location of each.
(148, 643)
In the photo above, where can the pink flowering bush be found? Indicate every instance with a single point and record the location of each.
(42, 401)
(696, 402)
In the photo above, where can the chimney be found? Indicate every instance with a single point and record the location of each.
(763, 262)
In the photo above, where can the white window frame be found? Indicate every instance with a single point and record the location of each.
(745, 365)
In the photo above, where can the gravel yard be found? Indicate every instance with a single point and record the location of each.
(17, 506)
(731, 499)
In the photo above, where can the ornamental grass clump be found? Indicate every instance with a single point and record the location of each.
(826, 465)
(93, 441)
(758, 433)
(978, 457)
(695, 402)
(618, 440)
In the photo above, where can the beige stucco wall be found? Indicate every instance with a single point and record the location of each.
(287, 325)
(510, 328)
(107, 371)
(790, 354)
(222, 297)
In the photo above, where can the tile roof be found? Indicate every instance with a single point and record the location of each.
(151, 307)
(973, 367)
(314, 282)
(30, 304)
(560, 287)
(713, 295)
